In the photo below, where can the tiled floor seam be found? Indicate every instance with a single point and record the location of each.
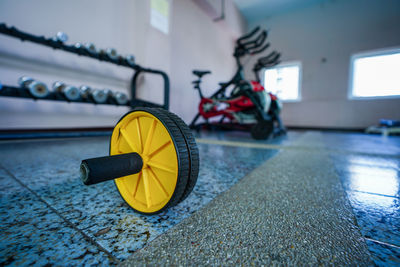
(360, 228)
(288, 147)
(373, 253)
(70, 224)
(376, 194)
(371, 239)
(381, 243)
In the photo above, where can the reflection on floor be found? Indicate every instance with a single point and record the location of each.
(369, 168)
(49, 217)
(372, 184)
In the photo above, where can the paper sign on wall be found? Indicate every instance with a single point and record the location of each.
(160, 15)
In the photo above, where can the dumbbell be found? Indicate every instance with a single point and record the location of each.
(85, 91)
(112, 53)
(120, 98)
(35, 88)
(60, 37)
(99, 96)
(90, 48)
(153, 160)
(78, 45)
(69, 92)
(130, 59)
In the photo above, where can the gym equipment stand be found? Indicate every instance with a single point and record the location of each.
(12, 91)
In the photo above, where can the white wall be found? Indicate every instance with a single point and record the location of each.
(201, 43)
(194, 41)
(334, 30)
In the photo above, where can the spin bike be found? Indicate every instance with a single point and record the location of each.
(275, 106)
(249, 106)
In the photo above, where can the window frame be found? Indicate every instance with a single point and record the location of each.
(365, 54)
(296, 63)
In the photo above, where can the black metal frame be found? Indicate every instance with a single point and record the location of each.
(102, 56)
(137, 102)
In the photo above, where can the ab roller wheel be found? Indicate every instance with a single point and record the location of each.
(153, 158)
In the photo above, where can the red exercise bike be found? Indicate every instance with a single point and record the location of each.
(249, 106)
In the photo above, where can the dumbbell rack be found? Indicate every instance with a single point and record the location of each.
(12, 91)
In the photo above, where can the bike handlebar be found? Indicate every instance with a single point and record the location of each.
(257, 42)
(247, 36)
(249, 45)
(271, 57)
(269, 61)
(260, 50)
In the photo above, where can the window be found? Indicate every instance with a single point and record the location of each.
(284, 81)
(160, 15)
(375, 74)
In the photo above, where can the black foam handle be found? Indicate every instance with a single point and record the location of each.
(97, 170)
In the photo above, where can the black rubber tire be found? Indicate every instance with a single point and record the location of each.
(182, 154)
(262, 130)
(194, 157)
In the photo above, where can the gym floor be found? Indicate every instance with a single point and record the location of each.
(310, 197)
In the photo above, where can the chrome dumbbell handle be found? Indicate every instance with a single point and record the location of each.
(69, 92)
(58, 86)
(99, 96)
(78, 45)
(130, 59)
(112, 53)
(24, 81)
(120, 98)
(90, 48)
(85, 91)
(60, 37)
(108, 92)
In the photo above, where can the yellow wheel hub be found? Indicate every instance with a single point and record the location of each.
(151, 189)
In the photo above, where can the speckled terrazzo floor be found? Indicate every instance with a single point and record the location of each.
(325, 199)
(49, 217)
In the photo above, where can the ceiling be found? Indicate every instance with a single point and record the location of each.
(255, 10)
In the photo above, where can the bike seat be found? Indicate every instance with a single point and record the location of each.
(223, 84)
(201, 73)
